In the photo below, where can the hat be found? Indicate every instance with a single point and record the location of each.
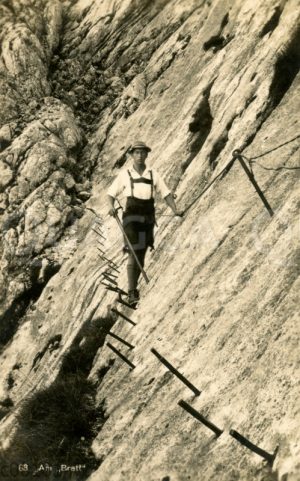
(138, 145)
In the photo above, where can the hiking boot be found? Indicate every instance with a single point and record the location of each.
(133, 296)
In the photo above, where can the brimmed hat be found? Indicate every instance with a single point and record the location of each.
(138, 145)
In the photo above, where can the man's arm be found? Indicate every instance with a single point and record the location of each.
(166, 194)
(111, 203)
(112, 193)
(171, 203)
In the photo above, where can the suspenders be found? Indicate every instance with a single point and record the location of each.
(131, 182)
(142, 180)
(151, 177)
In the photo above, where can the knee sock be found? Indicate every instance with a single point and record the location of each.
(141, 257)
(133, 270)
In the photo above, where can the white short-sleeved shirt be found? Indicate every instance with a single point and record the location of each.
(122, 184)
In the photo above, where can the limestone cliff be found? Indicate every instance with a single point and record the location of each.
(195, 79)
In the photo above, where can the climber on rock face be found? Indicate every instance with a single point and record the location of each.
(139, 184)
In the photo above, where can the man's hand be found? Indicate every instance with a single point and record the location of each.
(171, 203)
(112, 211)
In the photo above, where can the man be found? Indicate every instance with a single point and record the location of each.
(139, 185)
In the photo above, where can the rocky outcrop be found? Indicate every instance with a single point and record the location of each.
(196, 80)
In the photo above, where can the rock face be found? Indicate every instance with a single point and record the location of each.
(196, 80)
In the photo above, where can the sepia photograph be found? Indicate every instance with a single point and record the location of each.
(149, 240)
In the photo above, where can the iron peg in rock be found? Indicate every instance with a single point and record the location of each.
(98, 233)
(261, 452)
(110, 273)
(109, 278)
(123, 316)
(121, 356)
(200, 418)
(119, 291)
(237, 155)
(110, 262)
(174, 371)
(120, 339)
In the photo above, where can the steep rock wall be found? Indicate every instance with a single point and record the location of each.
(196, 80)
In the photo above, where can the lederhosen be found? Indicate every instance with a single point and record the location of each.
(139, 216)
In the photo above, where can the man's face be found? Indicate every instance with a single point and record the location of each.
(139, 156)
